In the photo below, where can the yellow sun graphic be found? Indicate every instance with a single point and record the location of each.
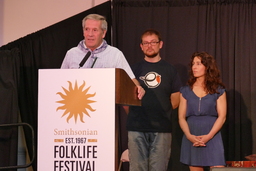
(76, 102)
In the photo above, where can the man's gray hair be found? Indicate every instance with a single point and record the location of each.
(104, 24)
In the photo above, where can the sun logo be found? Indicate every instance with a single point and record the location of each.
(76, 102)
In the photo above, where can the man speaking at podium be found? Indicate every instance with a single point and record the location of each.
(94, 52)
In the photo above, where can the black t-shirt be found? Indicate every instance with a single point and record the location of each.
(159, 80)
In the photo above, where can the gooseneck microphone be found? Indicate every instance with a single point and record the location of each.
(84, 59)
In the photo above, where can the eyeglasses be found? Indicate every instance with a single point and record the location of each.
(149, 43)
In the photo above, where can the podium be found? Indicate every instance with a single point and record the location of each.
(77, 127)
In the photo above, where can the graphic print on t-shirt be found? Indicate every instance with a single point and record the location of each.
(151, 79)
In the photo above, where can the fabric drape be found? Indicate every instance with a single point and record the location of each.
(226, 30)
(9, 111)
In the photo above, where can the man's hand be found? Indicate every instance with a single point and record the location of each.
(140, 91)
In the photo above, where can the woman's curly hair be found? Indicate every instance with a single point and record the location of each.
(212, 74)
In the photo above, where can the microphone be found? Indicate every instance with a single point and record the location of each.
(94, 62)
(85, 58)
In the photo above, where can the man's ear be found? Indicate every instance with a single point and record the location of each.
(161, 44)
(141, 46)
(104, 34)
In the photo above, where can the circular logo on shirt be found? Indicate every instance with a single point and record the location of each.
(151, 79)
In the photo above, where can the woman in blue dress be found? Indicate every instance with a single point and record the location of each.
(202, 113)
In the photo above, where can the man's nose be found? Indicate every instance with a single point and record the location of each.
(90, 32)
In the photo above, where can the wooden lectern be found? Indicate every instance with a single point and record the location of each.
(126, 90)
(77, 117)
(126, 94)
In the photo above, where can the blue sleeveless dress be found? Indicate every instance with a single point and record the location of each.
(201, 114)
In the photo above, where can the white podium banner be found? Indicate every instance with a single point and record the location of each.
(76, 120)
